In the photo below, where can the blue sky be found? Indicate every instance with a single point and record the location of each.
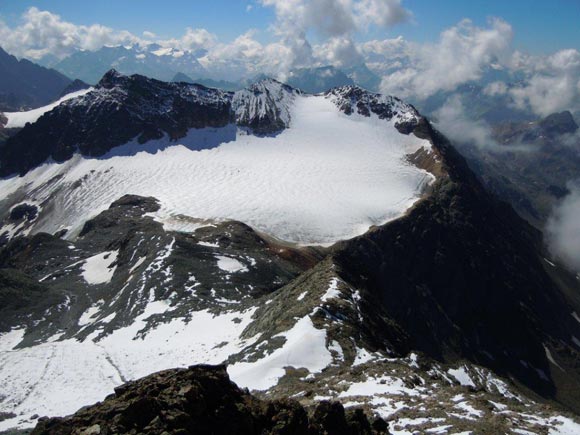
(539, 26)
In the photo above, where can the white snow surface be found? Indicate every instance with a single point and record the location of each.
(9, 340)
(379, 385)
(462, 376)
(327, 177)
(305, 347)
(332, 292)
(19, 119)
(229, 264)
(57, 378)
(99, 268)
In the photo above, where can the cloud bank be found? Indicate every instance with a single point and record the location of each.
(453, 122)
(563, 229)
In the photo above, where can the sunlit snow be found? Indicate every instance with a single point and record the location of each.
(19, 119)
(326, 178)
(57, 378)
(305, 347)
(99, 269)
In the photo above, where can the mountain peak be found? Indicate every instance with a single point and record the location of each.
(267, 84)
(264, 106)
(559, 123)
(352, 98)
(111, 78)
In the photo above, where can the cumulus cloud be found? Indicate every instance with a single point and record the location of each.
(43, 33)
(553, 84)
(235, 59)
(385, 13)
(338, 51)
(334, 20)
(461, 55)
(192, 40)
(563, 229)
(455, 124)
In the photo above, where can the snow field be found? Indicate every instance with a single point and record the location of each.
(326, 178)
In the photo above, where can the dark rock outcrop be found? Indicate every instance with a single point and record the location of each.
(123, 108)
(202, 400)
(352, 99)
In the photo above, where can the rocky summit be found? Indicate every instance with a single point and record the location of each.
(333, 253)
(202, 400)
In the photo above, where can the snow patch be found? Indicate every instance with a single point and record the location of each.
(305, 347)
(9, 340)
(332, 292)
(229, 264)
(461, 375)
(99, 268)
(19, 119)
(89, 315)
(58, 378)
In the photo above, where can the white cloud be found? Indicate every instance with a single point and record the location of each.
(192, 40)
(563, 229)
(44, 33)
(461, 55)
(553, 84)
(385, 13)
(458, 127)
(338, 51)
(495, 88)
(336, 21)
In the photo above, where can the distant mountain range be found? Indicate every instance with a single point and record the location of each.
(26, 85)
(152, 61)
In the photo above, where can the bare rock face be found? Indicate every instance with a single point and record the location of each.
(202, 400)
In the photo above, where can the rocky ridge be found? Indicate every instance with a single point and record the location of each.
(122, 109)
(201, 399)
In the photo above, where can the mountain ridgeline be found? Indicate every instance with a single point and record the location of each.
(124, 108)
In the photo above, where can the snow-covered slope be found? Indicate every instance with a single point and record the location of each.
(327, 177)
(19, 119)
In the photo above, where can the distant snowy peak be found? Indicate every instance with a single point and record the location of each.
(154, 61)
(264, 106)
(353, 99)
